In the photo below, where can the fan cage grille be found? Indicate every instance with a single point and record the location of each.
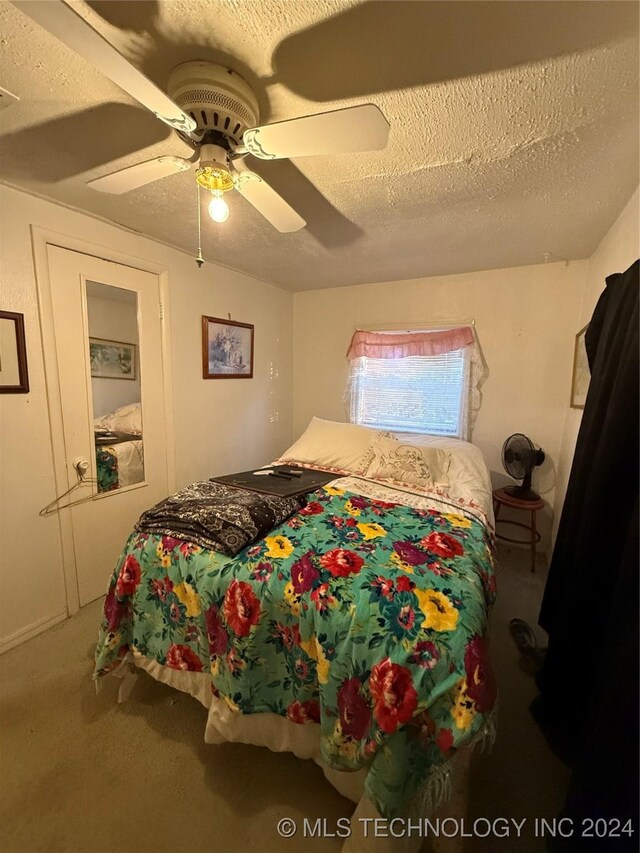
(518, 455)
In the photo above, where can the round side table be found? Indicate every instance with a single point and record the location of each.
(502, 498)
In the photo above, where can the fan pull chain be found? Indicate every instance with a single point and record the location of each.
(199, 259)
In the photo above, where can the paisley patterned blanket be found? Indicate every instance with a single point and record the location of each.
(218, 517)
(365, 613)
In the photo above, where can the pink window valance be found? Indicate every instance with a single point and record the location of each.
(405, 344)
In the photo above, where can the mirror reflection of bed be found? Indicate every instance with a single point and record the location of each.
(115, 385)
(119, 449)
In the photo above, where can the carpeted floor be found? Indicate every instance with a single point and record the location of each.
(81, 774)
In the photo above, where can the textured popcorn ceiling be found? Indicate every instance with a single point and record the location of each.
(514, 128)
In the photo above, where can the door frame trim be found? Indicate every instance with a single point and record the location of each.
(40, 239)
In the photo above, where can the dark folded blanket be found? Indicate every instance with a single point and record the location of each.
(218, 517)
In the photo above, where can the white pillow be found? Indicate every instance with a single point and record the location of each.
(469, 478)
(125, 419)
(406, 462)
(330, 444)
(422, 439)
(394, 459)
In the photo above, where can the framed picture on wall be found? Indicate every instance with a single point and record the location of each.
(14, 376)
(227, 349)
(581, 373)
(112, 359)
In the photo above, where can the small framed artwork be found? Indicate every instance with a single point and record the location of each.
(112, 359)
(227, 349)
(581, 373)
(14, 376)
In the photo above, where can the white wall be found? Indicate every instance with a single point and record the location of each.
(113, 320)
(220, 426)
(619, 248)
(525, 320)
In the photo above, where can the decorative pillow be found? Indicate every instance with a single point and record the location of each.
(469, 478)
(408, 463)
(330, 444)
(125, 419)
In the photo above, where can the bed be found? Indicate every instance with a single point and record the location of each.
(354, 633)
(119, 448)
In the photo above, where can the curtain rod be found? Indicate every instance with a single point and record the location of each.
(413, 327)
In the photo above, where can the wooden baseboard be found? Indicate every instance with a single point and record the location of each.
(31, 631)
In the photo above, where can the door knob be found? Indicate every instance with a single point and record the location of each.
(81, 465)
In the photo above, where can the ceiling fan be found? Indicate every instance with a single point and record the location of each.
(214, 111)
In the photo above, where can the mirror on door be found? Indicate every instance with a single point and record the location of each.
(115, 385)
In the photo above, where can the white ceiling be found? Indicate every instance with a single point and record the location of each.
(514, 128)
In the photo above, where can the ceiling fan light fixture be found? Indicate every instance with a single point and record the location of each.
(218, 207)
(215, 178)
(214, 174)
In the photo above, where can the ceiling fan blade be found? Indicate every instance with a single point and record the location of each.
(361, 128)
(267, 201)
(137, 176)
(71, 29)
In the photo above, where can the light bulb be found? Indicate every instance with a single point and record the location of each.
(218, 209)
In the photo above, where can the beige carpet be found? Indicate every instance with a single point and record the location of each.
(81, 774)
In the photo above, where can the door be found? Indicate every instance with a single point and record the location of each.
(108, 338)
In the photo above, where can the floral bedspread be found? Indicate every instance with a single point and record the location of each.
(107, 469)
(364, 615)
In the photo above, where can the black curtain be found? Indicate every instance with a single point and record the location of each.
(588, 702)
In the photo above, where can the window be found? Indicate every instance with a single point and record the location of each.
(416, 394)
(414, 382)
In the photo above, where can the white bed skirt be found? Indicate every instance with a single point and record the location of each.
(281, 735)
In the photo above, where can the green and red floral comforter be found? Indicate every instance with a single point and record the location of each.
(106, 469)
(364, 615)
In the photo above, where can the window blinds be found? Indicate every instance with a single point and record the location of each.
(415, 394)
